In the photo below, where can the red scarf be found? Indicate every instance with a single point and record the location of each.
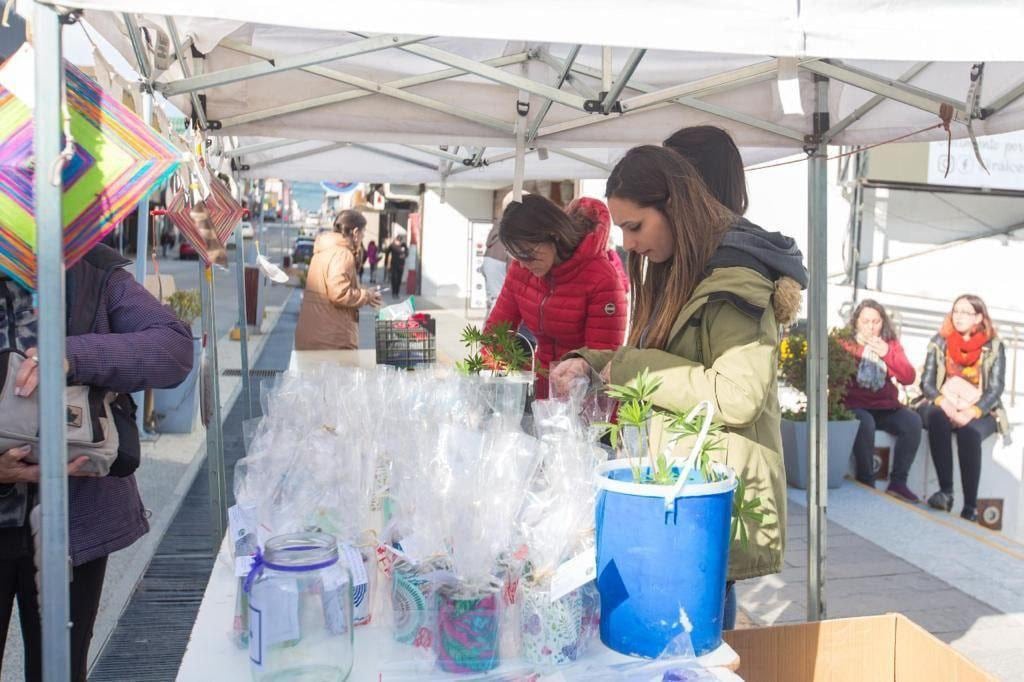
(962, 356)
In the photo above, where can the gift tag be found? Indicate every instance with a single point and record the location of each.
(574, 573)
(355, 565)
(273, 619)
(243, 565)
(242, 523)
(412, 550)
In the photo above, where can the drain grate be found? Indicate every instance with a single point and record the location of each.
(252, 372)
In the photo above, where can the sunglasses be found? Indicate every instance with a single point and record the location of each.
(523, 254)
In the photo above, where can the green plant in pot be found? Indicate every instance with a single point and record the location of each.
(498, 356)
(497, 350)
(842, 426)
(651, 464)
(668, 503)
(186, 305)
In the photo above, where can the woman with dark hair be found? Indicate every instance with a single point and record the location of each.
(963, 379)
(329, 316)
(708, 299)
(717, 158)
(873, 398)
(560, 283)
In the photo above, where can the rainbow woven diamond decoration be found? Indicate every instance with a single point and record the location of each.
(117, 161)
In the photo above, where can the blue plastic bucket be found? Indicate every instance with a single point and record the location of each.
(657, 560)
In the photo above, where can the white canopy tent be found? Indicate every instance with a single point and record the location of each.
(471, 95)
(781, 76)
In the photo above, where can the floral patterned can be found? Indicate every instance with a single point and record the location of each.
(467, 633)
(414, 606)
(552, 632)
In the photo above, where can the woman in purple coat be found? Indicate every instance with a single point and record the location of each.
(121, 339)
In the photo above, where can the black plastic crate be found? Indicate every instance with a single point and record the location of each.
(406, 343)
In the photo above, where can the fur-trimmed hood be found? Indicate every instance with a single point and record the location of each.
(771, 254)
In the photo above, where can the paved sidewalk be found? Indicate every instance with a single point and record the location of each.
(885, 556)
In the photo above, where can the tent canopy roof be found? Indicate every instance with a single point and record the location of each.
(933, 214)
(342, 83)
(937, 30)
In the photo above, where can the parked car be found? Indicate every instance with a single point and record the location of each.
(303, 251)
(247, 231)
(186, 252)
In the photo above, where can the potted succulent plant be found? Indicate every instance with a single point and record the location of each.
(666, 514)
(842, 426)
(499, 357)
(175, 408)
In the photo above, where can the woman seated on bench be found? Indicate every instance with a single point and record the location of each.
(963, 380)
(874, 399)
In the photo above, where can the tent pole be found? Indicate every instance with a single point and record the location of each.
(214, 429)
(817, 355)
(53, 481)
(141, 251)
(243, 323)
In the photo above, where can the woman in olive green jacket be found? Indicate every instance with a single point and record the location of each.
(710, 291)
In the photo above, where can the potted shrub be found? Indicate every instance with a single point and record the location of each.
(175, 408)
(842, 426)
(507, 368)
(664, 524)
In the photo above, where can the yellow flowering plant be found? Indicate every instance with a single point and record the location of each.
(841, 368)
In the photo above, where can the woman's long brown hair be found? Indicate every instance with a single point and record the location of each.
(654, 177)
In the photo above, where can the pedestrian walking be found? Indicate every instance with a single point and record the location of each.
(394, 263)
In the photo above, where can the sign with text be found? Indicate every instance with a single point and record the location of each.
(1003, 156)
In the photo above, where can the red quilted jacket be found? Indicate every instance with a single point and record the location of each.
(579, 303)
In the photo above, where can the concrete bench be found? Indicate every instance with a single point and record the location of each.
(1001, 478)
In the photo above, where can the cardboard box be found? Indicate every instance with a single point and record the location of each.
(889, 648)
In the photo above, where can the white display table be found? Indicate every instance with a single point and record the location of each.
(213, 656)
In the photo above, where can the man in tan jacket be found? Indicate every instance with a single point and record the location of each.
(329, 317)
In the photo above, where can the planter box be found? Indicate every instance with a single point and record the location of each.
(175, 408)
(889, 647)
(794, 451)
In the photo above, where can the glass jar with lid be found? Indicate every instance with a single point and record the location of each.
(300, 611)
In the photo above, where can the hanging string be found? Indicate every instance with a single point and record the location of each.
(68, 152)
(88, 36)
(946, 114)
(855, 151)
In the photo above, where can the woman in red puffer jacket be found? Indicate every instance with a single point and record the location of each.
(560, 285)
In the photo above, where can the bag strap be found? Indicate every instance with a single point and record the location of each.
(4, 365)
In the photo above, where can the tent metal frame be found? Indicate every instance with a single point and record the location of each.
(55, 572)
(609, 100)
(349, 95)
(287, 63)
